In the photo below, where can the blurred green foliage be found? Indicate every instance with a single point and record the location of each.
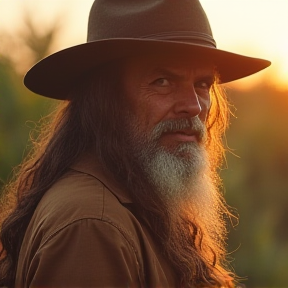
(255, 182)
(19, 112)
(20, 109)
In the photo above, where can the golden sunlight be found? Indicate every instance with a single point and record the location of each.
(256, 28)
(253, 27)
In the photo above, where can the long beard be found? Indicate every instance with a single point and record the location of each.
(191, 209)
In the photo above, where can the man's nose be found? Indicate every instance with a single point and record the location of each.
(187, 103)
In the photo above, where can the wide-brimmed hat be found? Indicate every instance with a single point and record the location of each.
(121, 28)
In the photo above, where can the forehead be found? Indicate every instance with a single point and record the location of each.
(145, 65)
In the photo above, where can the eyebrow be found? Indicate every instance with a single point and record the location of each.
(170, 72)
(173, 73)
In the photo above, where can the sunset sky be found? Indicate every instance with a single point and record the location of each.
(252, 27)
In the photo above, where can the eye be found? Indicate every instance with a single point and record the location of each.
(204, 85)
(162, 86)
(161, 82)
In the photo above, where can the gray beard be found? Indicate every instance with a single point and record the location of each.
(181, 176)
(171, 174)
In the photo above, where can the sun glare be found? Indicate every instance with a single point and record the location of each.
(256, 28)
(253, 27)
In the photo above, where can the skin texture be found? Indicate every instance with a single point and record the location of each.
(196, 255)
(167, 88)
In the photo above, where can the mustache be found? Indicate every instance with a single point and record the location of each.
(190, 125)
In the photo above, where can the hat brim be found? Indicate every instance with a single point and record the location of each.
(53, 76)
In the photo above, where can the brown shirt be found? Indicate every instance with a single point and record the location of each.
(83, 235)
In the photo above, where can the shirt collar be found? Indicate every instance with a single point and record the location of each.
(86, 164)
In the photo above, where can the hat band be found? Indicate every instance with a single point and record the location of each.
(184, 36)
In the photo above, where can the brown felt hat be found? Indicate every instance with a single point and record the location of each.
(120, 28)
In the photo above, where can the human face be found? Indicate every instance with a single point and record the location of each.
(159, 89)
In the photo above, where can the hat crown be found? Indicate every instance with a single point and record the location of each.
(154, 19)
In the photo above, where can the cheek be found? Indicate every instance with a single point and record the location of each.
(148, 106)
(140, 106)
(205, 104)
(159, 108)
(151, 106)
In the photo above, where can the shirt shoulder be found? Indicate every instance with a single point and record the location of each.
(80, 217)
(78, 196)
(84, 253)
(83, 226)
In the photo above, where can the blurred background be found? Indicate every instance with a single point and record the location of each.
(256, 173)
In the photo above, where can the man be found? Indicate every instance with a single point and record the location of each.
(122, 189)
